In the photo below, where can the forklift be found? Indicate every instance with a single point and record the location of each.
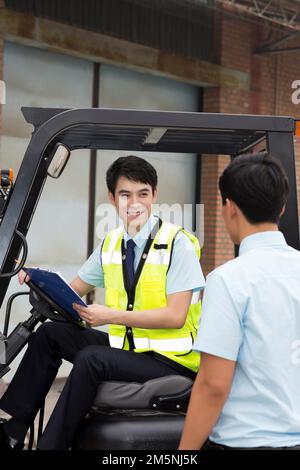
(125, 416)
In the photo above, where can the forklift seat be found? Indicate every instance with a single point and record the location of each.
(134, 395)
(136, 416)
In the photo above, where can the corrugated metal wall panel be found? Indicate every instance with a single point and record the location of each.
(179, 27)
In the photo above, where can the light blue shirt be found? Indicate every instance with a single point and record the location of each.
(251, 314)
(185, 272)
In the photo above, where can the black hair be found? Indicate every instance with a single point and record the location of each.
(258, 185)
(133, 168)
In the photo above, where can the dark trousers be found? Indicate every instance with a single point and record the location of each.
(209, 445)
(93, 362)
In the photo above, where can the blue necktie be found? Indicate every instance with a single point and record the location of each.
(130, 259)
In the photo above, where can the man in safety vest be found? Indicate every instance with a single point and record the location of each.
(152, 277)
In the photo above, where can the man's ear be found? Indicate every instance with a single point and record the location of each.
(282, 211)
(232, 207)
(155, 195)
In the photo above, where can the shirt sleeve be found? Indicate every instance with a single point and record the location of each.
(91, 271)
(220, 331)
(185, 271)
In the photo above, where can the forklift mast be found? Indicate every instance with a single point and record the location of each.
(59, 131)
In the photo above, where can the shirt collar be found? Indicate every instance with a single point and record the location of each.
(261, 239)
(141, 237)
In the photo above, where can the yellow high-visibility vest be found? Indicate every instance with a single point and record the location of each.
(149, 292)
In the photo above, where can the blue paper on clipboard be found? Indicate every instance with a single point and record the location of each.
(57, 288)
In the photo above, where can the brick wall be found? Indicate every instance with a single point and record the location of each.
(274, 76)
(270, 93)
(278, 73)
(234, 52)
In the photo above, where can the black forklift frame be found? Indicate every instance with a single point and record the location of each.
(135, 130)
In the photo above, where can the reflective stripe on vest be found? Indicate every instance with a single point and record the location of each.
(167, 345)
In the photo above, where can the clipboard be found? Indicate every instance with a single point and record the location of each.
(55, 289)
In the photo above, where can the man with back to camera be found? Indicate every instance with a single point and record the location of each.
(152, 277)
(246, 395)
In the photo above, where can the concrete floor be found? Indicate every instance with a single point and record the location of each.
(50, 402)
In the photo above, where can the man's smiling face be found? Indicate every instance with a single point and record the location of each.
(133, 201)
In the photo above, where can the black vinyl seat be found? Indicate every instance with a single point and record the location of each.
(136, 416)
